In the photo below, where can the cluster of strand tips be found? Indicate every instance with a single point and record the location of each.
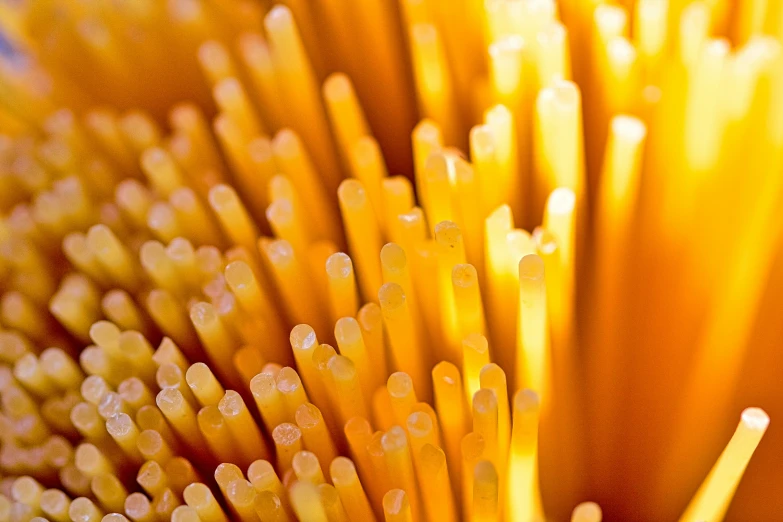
(416, 454)
(422, 462)
(463, 456)
(168, 278)
(127, 427)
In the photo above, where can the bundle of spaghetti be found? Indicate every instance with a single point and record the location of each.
(508, 260)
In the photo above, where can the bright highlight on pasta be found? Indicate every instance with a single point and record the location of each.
(401, 260)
